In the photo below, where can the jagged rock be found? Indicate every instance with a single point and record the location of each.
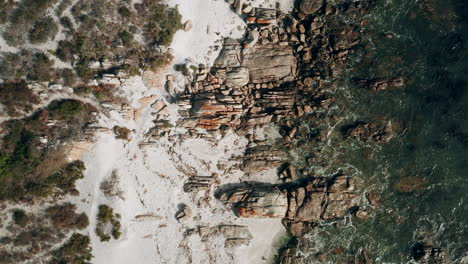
(320, 199)
(234, 235)
(184, 213)
(310, 6)
(198, 183)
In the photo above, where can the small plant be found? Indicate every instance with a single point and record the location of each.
(121, 132)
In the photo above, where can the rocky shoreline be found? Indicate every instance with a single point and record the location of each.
(215, 162)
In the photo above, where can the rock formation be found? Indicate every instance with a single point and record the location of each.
(320, 199)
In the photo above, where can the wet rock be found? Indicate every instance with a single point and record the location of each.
(381, 84)
(310, 6)
(381, 132)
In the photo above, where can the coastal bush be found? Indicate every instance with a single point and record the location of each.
(42, 69)
(162, 22)
(28, 169)
(24, 17)
(20, 218)
(43, 30)
(65, 109)
(5, 10)
(105, 218)
(16, 97)
(68, 77)
(124, 11)
(64, 216)
(77, 250)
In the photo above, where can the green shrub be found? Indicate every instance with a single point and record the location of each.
(43, 30)
(65, 109)
(126, 38)
(20, 218)
(77, 250)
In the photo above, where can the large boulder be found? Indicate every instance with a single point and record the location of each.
(311, 6)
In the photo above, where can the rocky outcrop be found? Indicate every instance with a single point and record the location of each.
(320, 199)
(234, 235)
(381, 84)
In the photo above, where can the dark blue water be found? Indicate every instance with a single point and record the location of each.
(427, 44)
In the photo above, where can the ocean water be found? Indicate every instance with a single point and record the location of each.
(426, 42)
